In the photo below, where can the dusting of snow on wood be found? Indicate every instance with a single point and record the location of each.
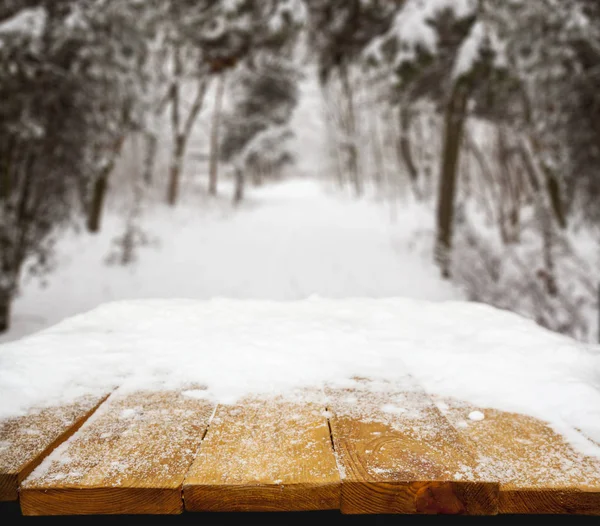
(389, 440)
(262, 455)
(521, 452)
(25, 439)
(400, 418)
(145, 441)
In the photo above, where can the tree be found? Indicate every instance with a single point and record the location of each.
(215, 136)
(40, 135)
(265, 93)
(268, 153)
(57, 88)
(339, 30)
(183, 28)
(116, 40)
(423, 48)
(265, 90)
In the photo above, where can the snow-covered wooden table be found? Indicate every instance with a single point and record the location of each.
(162, 452)
(364, 444)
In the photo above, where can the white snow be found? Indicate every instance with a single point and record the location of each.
(469, 51)
(31, 22)
(481, 35)
(238, 348)
(128, 413)
(287, 242)
(476, 416)
(393, 409)
(412, 27)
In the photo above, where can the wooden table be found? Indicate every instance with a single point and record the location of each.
(370, 447)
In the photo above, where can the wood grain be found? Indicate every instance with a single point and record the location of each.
(398, 454)
(538, 470)
(26, 440)
(265, 456)
(130, 457)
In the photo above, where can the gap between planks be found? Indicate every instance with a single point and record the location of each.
(210, 419)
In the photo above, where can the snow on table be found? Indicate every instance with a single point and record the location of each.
(518, 388)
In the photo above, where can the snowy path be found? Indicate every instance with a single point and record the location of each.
(289, 241)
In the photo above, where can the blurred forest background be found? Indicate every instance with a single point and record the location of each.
(199, 129)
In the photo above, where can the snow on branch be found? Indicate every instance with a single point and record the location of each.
(412, 29)
(28, 22)
(267, 145)
(481, 39)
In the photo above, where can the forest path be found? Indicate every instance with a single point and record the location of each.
(290, 240)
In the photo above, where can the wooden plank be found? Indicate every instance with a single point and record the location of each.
(26, 440)
(129, 458)
(265, 456)
(398, 454)
(538, 470)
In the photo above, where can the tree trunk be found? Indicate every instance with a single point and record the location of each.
(377, 145)
(150, 157)
(404, 146)
(509, 189)
(453, 133)
(6, 161)
(100, 188)
(181, 134)
(97, 204)
(213, 173)
(239, 186)
(258, 175)
(552, 185)
(350, 140)
(332, 141)
(553, 189)
(5, 304)
(548, 274)
(175, 171)
(5, 180)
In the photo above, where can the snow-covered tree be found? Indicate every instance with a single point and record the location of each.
(68, 96)
(339, 30)
(116, 37)
(42, 132)
(209, 38)
(265, 94)
(443, 51)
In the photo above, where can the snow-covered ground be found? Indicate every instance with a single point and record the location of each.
(289, 241)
